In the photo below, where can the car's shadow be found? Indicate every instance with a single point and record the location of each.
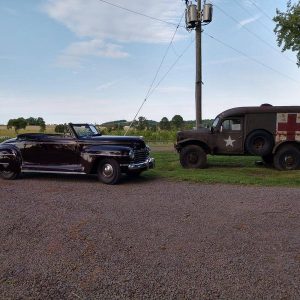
(82, 178)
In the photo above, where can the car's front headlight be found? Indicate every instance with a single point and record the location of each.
(131, 154)
(148, 149)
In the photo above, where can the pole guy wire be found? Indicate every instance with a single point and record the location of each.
(156, 74)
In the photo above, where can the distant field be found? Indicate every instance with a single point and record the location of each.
(4, 132)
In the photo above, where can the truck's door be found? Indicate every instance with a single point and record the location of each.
(230, 139)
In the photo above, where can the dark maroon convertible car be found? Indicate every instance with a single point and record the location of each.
(81, 150)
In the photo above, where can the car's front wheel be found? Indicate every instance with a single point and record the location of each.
(109, 171)
(9, 175)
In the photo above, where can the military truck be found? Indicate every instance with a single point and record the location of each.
(271, 132)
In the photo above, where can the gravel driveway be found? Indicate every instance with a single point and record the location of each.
(66, 237)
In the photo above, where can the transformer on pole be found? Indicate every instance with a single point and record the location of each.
(195, 18)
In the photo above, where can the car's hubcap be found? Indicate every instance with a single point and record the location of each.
(108, 170)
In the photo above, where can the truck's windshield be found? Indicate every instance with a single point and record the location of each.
(216, 122)
(85, 130)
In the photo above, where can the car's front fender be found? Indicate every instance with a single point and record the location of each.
(10, 158)
(91, 154)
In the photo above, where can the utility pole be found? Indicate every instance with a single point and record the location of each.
(198, 85)
(196, 17)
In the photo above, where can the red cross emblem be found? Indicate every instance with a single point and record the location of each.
(288, 127)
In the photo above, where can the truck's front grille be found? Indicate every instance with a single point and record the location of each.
(140, 155)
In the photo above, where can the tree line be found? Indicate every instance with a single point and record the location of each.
(176, 123)
(22, 123)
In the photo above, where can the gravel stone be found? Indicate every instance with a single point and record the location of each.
(71, 237)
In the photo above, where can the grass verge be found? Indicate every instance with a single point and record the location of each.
(223, 169)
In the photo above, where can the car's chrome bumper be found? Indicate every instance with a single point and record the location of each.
(148, 164)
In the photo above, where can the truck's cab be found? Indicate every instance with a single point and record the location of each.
(272, 132)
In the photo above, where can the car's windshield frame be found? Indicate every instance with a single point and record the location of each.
(85, 130)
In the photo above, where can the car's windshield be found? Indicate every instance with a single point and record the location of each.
(216, 122)
(86, 130)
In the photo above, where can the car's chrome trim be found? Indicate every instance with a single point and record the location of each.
(148, 164)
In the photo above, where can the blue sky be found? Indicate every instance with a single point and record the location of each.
(86, 61)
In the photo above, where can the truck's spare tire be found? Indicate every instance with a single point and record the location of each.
(193, 157)
(259, 143)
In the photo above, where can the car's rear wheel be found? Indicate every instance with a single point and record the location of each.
(9, 175)
(193, 157)
(287, 158)
(109, 171)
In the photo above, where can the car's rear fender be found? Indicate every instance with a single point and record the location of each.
(10, 158)
(91, 155)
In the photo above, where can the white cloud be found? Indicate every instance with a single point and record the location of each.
(105, 29)
(106, 85)
(248, 21)
(72, 56)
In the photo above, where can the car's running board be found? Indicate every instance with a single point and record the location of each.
(52, 172)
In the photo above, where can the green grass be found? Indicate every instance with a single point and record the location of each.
(223, 169)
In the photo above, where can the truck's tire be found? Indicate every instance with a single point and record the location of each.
(259, 143)
(287, 158)
(9, 175)
(193, 157)
(109, 171)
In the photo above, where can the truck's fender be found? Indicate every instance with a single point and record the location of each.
(10, 158)
(181, 144)
(91, 154)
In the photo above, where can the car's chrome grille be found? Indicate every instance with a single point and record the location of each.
(140, 155)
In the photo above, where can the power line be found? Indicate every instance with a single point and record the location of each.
(250, 14)
(253, 33)
(261, 10)
(251, 58)
(139, 13)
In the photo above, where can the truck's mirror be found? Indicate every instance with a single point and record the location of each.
(212, 130)
(221, 128)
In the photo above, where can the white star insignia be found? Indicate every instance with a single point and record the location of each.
(229, 142)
